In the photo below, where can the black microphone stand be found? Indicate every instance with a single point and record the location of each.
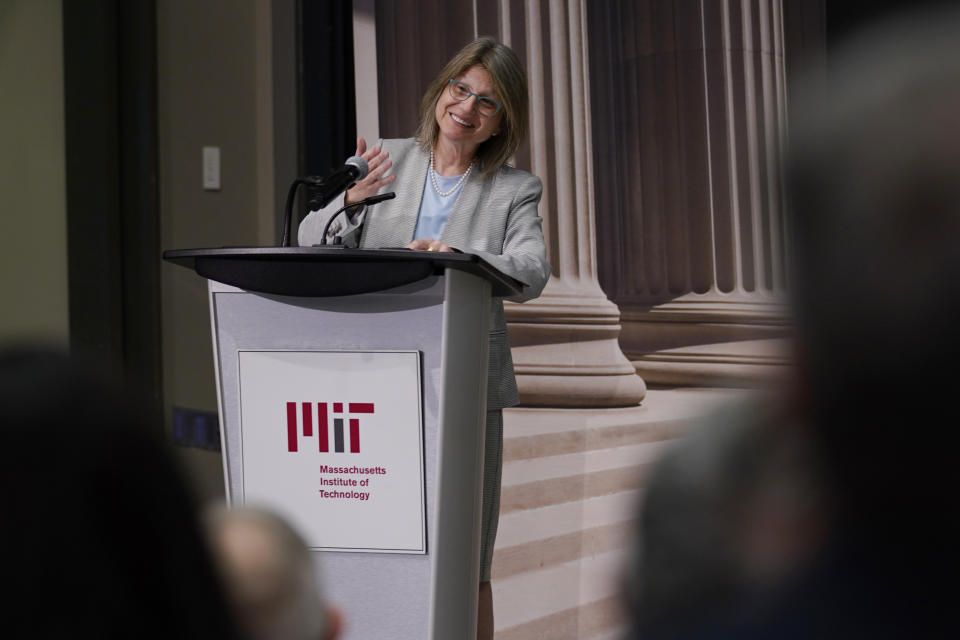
(366, 202)
(288, 208)
(354, 168)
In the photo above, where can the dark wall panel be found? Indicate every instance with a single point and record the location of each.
(112, 206)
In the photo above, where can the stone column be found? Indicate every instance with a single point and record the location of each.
(691, 100)
(565, 345)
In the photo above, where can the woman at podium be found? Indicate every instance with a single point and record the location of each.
(456, 192)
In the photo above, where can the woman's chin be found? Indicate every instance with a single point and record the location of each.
(458, 137)
(461, 135)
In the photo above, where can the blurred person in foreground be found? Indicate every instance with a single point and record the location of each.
(731, 514)
(101, 537)
(270, 576)
(874, 177)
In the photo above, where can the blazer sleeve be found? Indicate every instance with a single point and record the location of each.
(345, 226)
(524, 255)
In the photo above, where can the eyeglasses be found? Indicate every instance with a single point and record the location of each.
(485, 105)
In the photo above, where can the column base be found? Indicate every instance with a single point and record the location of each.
(566, 351)
(752, 363)
(581, 391)
(709, 341)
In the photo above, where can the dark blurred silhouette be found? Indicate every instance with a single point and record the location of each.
(270, 576)
(874, 176)
(100, 536)
(731, 514)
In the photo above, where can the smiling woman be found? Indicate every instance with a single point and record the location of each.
(462, 125)
(455, 192)
(501, 78)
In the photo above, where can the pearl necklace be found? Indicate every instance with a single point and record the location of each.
(433, 178)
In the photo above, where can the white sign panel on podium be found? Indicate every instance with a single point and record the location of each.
(333, 440)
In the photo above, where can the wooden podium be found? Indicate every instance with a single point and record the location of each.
(294, 330)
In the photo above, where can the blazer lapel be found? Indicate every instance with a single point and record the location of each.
(457, 230)
(392, 223)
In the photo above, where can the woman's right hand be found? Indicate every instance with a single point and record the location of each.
(378, 163)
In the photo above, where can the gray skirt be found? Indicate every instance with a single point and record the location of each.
(492, 469)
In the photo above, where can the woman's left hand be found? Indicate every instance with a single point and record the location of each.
(379, 163)
(429, 244)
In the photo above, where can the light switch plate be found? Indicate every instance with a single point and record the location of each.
(211, 168)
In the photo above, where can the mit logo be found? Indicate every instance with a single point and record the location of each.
(323, 428)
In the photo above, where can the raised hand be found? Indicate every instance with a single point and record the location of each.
(378, 163)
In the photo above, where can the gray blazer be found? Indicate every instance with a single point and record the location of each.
(494, 217)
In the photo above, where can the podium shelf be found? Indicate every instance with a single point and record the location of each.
(330, 271)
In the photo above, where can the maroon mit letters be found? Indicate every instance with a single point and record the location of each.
(323, 427)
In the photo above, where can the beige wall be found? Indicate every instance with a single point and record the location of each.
(213, 89)
(33, 293)
(213, 61)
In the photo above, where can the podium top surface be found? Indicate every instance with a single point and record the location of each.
(331, 271)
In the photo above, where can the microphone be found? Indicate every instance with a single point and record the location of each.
(353, 169)
(366, 202)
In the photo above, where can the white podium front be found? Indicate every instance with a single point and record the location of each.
(358, 414)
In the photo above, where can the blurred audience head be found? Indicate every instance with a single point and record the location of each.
(101, 536)
(833, 516)
(270, 576)
(731, 513)
(874, 176)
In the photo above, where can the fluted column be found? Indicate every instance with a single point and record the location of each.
(692, 104)
(565, 344)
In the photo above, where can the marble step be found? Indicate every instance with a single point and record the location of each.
(664, 415)
(539, 482)
(524, 471)
(538, 538)
(521, 441)
(576, 599)
(599, 620)
(572, 484)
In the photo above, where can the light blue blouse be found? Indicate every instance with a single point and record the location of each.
(434, 208)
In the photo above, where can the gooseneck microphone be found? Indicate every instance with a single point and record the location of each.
(366, 202)
(355, 168)
(327, 188)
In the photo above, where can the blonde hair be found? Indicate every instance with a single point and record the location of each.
(510, 83)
